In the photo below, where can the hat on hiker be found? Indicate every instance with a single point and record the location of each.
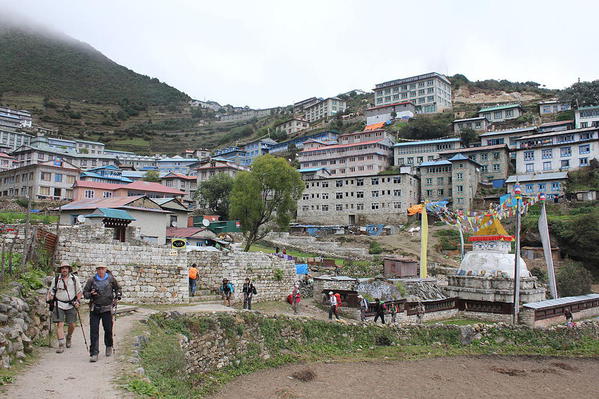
(360, 296)
(330, 292)
(100, 267)
(64, 264)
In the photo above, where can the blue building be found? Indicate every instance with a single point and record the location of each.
(328, 135)
(105, 174)
(176, 164)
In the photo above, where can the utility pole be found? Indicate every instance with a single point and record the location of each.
(517, 192)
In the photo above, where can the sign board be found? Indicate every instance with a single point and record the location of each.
(179, 243)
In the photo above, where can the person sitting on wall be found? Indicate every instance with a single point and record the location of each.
(227, 289)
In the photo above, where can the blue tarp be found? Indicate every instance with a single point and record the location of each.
(498, 183)
(374, 229)
(301, 268)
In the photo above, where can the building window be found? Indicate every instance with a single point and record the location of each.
(396, 193)
(325, 196)
(498, 115)
(359, 182)
(306, 197)
(375, 194)
(429, 193)
(339, 183)
(439, 181)
(584, 149)
(89, 193)
(359, 194)
(374, 181)
(360, 207)
(530, 167)
(584, 161)
(546, 165)
(108, 194)
(338, 195)
(460, 175)
(325, 184)
(529, 155)
(325, 208)
(509, 113)
(440, 191)
(429, 181)
(460, 189)
(484, 168)
(565, 151)
(496, 167)
(556, 186)
(397, 205)
(375, 205)
(396, 180)
(529, 188)
(46, 176)
(542, 187)
(484, 157)
(565, 164)
(339, 207)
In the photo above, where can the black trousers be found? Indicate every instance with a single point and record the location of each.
(333, 311)
(247, 301)
(381, 315)
(94, 330)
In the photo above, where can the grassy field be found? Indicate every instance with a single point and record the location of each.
(19, 217)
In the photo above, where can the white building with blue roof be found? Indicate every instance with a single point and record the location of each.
(413, 153)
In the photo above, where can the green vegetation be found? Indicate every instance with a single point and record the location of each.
(362, 268)
(449, 239)
(20, 217)
(584, 178)
(278, 274)
(459, 80)
(458, 322)
(57, 65)
(152, 176)
(213, 194)
(581, 93)
(573, 279)
(164, 361)
(375, 248)
(468, 136)
(264, 196)
(425, 127)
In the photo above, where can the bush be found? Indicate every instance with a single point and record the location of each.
(540, 274)
(573, 279)
(375, 248)
(278, 274)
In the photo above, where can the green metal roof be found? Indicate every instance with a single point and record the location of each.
(588, 107)
(111, 213)
(499, 107)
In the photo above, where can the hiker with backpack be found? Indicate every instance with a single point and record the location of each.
(334, 303)
(379, 309)
(248, 293)
(295, 297)
(64, 298)
(103, 291)
(193, 279)
(363, 307)
(226, 290)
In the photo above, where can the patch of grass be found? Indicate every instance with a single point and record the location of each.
(458, 322)
(20, 217)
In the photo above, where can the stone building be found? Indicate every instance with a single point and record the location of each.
(358, 200)
(507, 136)
(552, 184)
(455, 180)
(479, 124)
(178, 181)
(493, 160)
(323, 109)
(501, 112)
(413, 153)
(45, 180)
(292, 126)
(216, 165)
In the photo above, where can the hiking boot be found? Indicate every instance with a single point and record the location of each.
(60, 348)
(93, 358)
(68, 341)
(108, 351)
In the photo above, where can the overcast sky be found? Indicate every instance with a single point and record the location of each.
(269, 53)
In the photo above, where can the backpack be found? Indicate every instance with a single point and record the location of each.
(338, 296)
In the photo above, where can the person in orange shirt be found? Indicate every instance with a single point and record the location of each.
(193, 279)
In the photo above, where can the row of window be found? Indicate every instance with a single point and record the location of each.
(564, 164)
(417, 149)
(359, 207)
(92, 193)
(542, 187)
(547, 153)
(358, 181)
(358, 194)
(344, 160)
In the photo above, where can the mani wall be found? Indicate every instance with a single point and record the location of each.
(158, 274)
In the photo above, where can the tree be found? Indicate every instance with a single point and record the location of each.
(573, 279)
(581, 93)
(468, 136)
(422, 128)
(214, 193)
(152, 176)
(264, 196)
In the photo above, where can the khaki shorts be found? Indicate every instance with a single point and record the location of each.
(64, 316)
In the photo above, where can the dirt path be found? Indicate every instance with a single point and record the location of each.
(461, 377)
(70, 375)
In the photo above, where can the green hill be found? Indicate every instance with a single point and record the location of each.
(55, 65)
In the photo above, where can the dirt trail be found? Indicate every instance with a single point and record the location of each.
(70, 375)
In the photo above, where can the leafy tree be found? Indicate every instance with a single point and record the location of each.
(278, 135)
(152, 176)
(578, 237)
(573, 279)
(581, 93)
(264, 196)
(214, 194)
(468, 136)
(424, 128)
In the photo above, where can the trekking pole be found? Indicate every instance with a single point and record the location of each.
(82, 329)
(50, 329)
(114, 305)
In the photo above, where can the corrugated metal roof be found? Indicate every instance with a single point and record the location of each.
(560, 301)
(306, 170)
(537, 177)
(499, 107)
(508, 131)
(427, 142)
(435, 163)
(111, 213)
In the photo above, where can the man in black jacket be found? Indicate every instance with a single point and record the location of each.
(248, 293)
(104, 291)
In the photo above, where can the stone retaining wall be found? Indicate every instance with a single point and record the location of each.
(313, 245)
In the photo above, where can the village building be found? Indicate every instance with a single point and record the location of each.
(300, 106)
(18, 118)
(383, 113)
(413, 153)
(501, 112)
(52, 180)
(353, 159)
(200, 154)
(130, 160)
(358, 200)
(551, 184)
(193, 236)
(293, 126)
(557, 151)
(79, 146)
(90, 190)
(586, 116)
(362, 136)
(314, 173)
(217, 165)
(178, 181)
(479, 124)
(429, 93)
(176, 164)
(256, 148)
(13, 139)
(324, 108)
(179, 213)
(7, 162)
(135, 211)
(454, 180)
(105, 174)
(553, 107)
(508, 137)
(327, 136)
(493, 160)
(247, 114)
(556, 126)
(234, 154)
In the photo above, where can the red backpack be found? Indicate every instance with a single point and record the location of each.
(338, 296)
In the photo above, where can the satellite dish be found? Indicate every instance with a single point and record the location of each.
(81, 219)
(173, 223)
(206, 222)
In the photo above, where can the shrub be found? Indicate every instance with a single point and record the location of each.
(540, 274)
(375, 248)
(573, 279)
(278, 274)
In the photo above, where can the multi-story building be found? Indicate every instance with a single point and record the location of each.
(455, 180)
(493, 161)
(126, 159)
(358, 200)
(7, 162)
(300, 106)
(13, 138)
(501, 113)
(234, 154)
(430, 92)
(556, 126)
(327, 136)
(217, 165)
(413, 153)
(324, 109)
(557, 151)
(176, 164)
(353, 159)
(551, 184)
(248, 114)
(366, 135)
(255, 148)
(384, 113)
(553, 107)
(507, 136)
(479, 124)
(51, 179)
(90, 189)
(293, 126)
(200, 153)
(586, 116)
(105, 174)
(16, 118)
(187, 184)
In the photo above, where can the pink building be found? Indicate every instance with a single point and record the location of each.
(367, 135)
(7, 162)
(89, 189)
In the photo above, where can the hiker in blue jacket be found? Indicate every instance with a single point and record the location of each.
(227, 289)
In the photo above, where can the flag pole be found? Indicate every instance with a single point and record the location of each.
(518, 193)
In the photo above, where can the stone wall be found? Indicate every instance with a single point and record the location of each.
(22, 321)
(313, 245)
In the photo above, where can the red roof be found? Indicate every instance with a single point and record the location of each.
(183, 232)
(95, 184)
(5, 155)
(327, 147)
(179, 176)
(151, 186)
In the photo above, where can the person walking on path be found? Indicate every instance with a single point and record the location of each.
(363, 307)
(379, 309)
(420, 311)
(333, 306)
(64, 297)
(296, 297)
(193, 279)
(227, 289)
(103, 290)
(393, 310)
(248, 293)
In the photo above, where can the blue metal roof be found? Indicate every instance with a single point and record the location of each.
(427, 142)
(306, 170)
(111, 213)
(560, 301)
(106, 177)
(435, 163)
(459, 157)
